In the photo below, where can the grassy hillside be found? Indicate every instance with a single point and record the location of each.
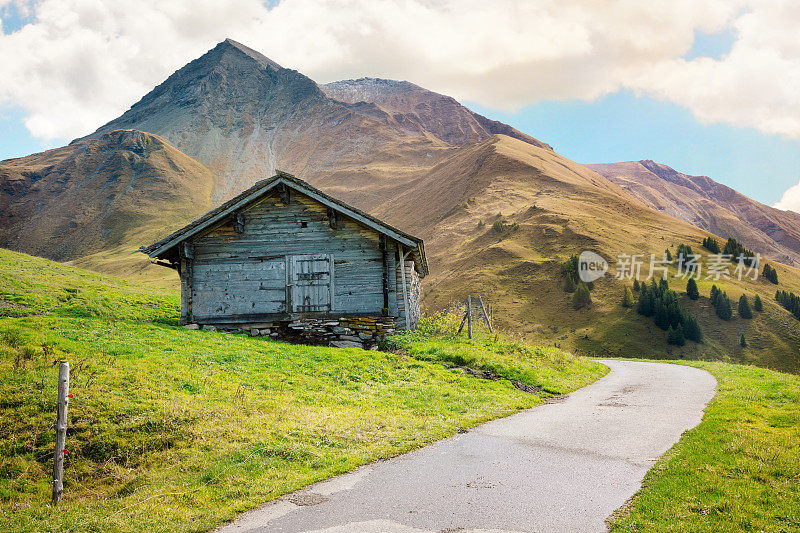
(176, 430)
(519, 211)
(739, 470)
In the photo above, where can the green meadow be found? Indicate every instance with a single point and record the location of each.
(178, 430)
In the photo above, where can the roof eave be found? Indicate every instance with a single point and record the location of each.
(162, 247)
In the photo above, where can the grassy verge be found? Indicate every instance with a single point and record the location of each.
(177, 430)
(552, 370)
(739, 470)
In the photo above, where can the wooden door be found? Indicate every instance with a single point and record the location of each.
(311, 283)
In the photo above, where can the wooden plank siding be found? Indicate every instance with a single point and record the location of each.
(243, 272)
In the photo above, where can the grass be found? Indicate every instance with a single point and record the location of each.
(555, 371)
(739, 470)
(178, 430)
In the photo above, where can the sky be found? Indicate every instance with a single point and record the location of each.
(708, 87)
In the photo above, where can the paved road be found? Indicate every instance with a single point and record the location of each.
(561, 466)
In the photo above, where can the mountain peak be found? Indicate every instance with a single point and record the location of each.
(263, 60)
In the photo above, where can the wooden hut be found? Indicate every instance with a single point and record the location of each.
(287, 260)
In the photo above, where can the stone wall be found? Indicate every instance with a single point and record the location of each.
(345, 332)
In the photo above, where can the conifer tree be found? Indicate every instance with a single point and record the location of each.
(742, 341)
(569, 284)
(757, 304)
(676, 336)
(691, 329)
(636, 284)
(723, 306)
(691, 289)
(627, 298)
(661, 316)
(744, 307)
(714, 295)
(581, 297)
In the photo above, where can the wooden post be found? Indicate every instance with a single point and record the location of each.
(461, 326)
(385, 278)
(469, 316)
(61, 431)
(401, 253)
(485, 316)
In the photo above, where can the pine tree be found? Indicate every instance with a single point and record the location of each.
(723, 306)
(676, 336)
(569, 284)
(582, 297)
(757, 304)
(742, 341)
(714, 295)
(645, 307)
(661, 316)
(691, 289)
(663, 286)
(744, 307)
(770, 274)
(711, 244)
(636, 284)
(627, 298)
(667, 255)
(691, 329)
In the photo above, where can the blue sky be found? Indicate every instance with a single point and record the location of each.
(621, 126)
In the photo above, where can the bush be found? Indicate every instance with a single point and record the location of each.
(627, 298)
(744, 307)
(757, 304)
(581, 298)
(691, 289)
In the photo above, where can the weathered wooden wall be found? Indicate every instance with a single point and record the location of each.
(244, 274)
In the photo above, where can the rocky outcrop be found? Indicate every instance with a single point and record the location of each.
(420, 111)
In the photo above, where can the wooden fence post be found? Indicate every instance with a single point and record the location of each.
(469, 316)
(485, 316)
(61, 431)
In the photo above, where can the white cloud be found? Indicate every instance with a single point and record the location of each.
(83, 62)
(790, 201)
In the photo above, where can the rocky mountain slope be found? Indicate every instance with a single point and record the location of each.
(244, 116)
(420, 111)
(98, 194)
(709, 205)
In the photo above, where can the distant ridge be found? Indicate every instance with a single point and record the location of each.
(421, 110)
(710, 205)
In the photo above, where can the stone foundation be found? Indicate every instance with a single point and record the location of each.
(345, 332)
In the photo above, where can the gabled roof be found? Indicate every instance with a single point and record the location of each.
(165, 247)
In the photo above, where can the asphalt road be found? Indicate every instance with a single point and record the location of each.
(561, 466)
